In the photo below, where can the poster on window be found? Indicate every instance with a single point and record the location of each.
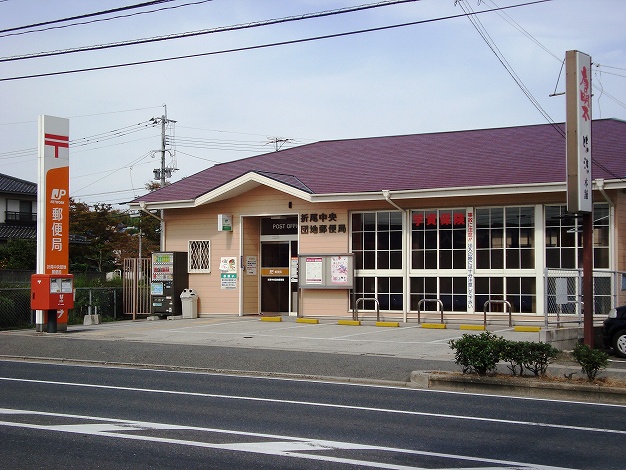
(326, 271)
(339, 269)
(314, 270)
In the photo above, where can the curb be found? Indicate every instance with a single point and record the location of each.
(530, 387)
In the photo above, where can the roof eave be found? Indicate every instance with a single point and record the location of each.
(495, 190)
(233, 188)
(245, 183)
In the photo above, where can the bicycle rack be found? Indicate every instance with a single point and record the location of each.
(501, 302)
(355, 310)
(423, 301)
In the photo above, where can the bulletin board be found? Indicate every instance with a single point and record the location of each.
(326, 271)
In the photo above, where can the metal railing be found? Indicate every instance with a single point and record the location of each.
(506, 303)
(355, 310)
(423, 301)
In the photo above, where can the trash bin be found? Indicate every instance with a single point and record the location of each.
(189, 301)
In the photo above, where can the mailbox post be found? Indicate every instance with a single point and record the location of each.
(52, 293)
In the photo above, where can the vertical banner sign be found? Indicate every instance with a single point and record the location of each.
(53, 200)
(470, 260)
(578, 131)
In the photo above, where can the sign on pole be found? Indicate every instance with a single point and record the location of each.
(53, 201)
(578, 131)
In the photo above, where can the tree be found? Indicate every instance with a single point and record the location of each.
(97, 228)
(18, 254)
(110, 236)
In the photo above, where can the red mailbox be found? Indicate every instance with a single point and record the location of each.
(52, 291)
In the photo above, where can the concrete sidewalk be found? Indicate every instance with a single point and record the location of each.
(248, 345)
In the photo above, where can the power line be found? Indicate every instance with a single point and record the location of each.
(221, 29)
(87, 15)
(482, 31)
(105, 19)
(263, 46)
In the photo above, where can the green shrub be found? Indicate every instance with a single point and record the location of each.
(477, 353)
(515, 354)
(538, 356)
(591, 360)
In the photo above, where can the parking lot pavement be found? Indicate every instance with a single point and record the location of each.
(408, 340)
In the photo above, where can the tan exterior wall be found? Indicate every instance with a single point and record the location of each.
(250, 282)
(247, 209)
(182, 225)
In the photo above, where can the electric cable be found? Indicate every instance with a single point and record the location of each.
(104, 19)
(221, 29)
(471, 15)
(260, 46)
(87, 15)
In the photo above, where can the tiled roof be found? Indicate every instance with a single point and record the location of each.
(9, 184)
(12, 232)
(487, 157)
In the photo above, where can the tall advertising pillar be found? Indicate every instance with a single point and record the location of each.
(53, 207)
(579, 180)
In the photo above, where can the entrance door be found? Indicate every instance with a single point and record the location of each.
(276, 283)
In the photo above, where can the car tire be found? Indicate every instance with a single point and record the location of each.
(619, 343)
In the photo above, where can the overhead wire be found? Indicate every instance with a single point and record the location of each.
(489, 41)
(105, 19)
(517, 26)
(86, 15)
(261, 46)
(203, 32)
(482, 31)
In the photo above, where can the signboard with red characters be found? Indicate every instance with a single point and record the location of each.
(578, 132)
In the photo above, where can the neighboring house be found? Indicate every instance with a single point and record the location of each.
(461, 217)
(18, 217)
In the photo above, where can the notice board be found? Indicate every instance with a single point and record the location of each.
(327, 271)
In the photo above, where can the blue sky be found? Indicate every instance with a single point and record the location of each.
(435, 76)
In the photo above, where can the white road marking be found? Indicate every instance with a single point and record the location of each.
(284, 446)
(318, 404)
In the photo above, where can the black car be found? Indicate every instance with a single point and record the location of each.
(614, 331)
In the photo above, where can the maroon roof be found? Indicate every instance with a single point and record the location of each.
(474, 158)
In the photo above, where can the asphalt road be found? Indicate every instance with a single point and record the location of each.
(69, 416)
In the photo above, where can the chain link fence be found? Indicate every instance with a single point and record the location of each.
(564, 294)
(15, 309)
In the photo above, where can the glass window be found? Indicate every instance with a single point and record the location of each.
(377, 240)
(452, 291)
(438, 239)
(377, 245)
(505, 238)
(564, 238)
(199, 260)
(388, 291)
(520, 292)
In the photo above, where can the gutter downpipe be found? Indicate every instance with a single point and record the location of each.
(600, 185)
(142, 208)
(405, 218)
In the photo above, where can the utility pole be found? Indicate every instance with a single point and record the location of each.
(278, 142)
(160, 174)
